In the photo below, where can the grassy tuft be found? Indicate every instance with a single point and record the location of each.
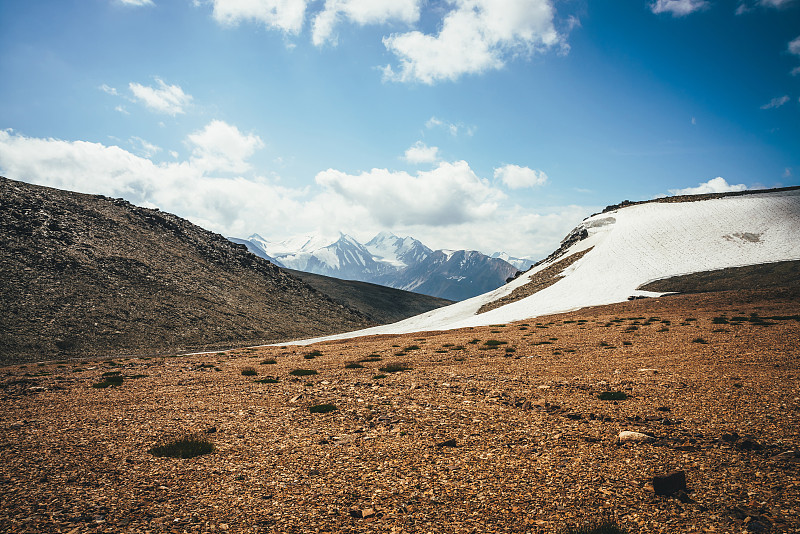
(302, 372)
(109, 381)
(612, 395)
(395, 367)
(495, 343)
(249, 371)
(269, 361)
(267, 380)
(322, 408)
(185, 447)
(378, 377)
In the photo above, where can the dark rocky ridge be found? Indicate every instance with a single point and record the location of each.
(90, 275)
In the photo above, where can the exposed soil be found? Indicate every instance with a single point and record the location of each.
(541, 280)
(508, 436)
(762, 276)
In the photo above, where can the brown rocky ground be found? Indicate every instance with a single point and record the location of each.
(533, 447)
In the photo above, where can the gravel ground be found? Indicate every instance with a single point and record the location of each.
(508, 436)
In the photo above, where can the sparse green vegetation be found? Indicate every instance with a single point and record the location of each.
(249, 371)
(269, 361)
(378, 377)
(109, 381)
(395, 367)
(185, 447)
(322, 408)
(495, 343)
(302, 372)
(266, 380)
(612, 395)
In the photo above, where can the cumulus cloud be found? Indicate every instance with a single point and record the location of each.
(447, 207)
(284, 15)
(715, 185)
(222, 147)
(449, 194)
(419, 152)
(168, 99)
(516, 177)
(361, 12)
(475, 36)
(678, 8)
(776, 102)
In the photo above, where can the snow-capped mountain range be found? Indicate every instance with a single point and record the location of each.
(386, 259)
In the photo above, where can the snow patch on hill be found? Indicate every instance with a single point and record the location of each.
(630, 247)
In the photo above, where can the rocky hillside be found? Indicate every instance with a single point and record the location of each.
(90, 275)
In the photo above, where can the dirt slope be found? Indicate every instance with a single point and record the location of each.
(89, 275)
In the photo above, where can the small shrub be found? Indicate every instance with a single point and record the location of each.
(185, 447)
(111, 373)
(267, 380)
(604, 344)
(699, 340)
(309, 356)
(627, 343)
(312, 354)
(109, 381)
(395, 367)
(474, 341)
(249, 371)
(302, 372)
(371, 358)
(353, 365)
(378, 377)
(411, 347)
(510, 350)
(612, 396)
(269, 361)
(719, 320)
(495, 343)
(322, 408)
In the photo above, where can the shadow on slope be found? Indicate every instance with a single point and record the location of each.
(381, 304)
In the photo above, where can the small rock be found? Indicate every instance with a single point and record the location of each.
(730, 438)
(635, 437)
(367, 512)
(670, 484)
(211, 430)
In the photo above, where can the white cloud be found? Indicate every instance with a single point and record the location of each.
(284, 15)
(144, 148)
(778, 4)
(794, 46)
(776, 102)
(136, 3)
(169, 99)
(447, 207)
(451, 128)
(715, 185)
(449, 194)
(361, 12)
(475, 36)
(419, 152)
(108, 89)
(222, 147)
(678, 8)
(516, 177)
(122, 110)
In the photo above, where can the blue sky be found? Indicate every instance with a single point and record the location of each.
(485, 124)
